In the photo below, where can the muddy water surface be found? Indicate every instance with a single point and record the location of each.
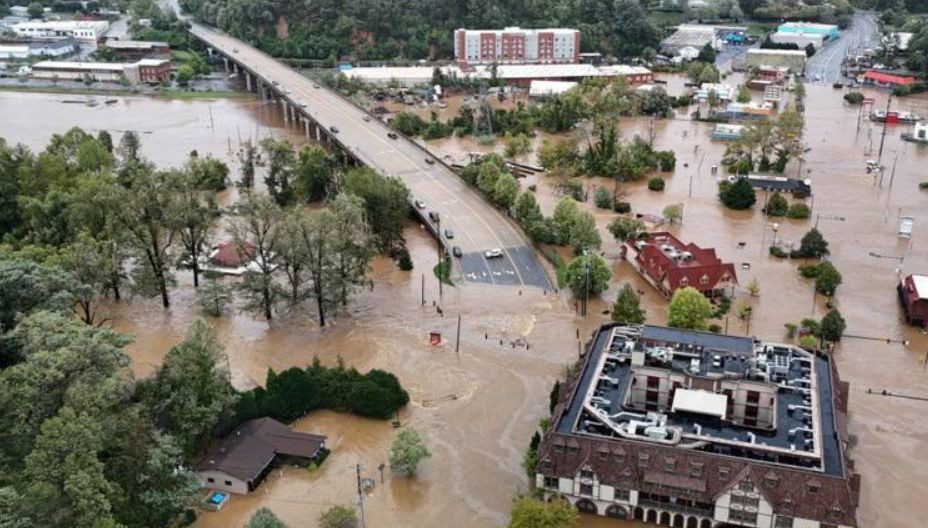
(476, 408)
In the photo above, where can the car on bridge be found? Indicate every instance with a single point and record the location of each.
(449, 233)
(456, 251)
(392, 135)
(494, 253)
(334, 129)
(366, 118)
(434, 216)
(430, 161)
(419, 204)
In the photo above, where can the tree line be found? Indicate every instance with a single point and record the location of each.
(112, 221)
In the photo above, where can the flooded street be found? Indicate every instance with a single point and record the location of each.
(477, 408)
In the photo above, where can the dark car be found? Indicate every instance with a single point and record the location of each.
(433, 216)
(392, 135)
(430, 161)
(456, 251)
(449, 233)
(334, 129)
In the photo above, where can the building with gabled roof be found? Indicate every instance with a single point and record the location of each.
(669, 264)
(700, 433)
(239, 462)
(913, 293)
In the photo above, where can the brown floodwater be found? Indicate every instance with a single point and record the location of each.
(477, 407)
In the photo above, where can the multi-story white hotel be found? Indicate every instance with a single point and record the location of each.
(514, 45)
(88, 30)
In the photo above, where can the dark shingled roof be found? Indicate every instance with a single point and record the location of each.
(247, 450)
(744, 345)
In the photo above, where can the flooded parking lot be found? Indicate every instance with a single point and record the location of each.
(477, 408)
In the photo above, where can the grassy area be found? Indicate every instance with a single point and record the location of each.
(667, 18)
(442, 270)
(559, 265)
(759, 29)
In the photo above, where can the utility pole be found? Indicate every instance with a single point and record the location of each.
(457, 338)
(423, 289)
(360, 495)
(440, 268)
(879, 158)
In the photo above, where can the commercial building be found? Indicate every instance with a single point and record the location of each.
(913, 293)
(514, 45)
(515, 74)
(697, 36)
(668, 264)
(886, 80)
(137, 47)
(696, 429)
(795, 60)
(145, 70)
(549, 88)
(801, 40)
(828, 31)
(45, 48)
(87, 30)
(239, 462)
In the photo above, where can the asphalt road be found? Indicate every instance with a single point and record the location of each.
(477, 226)
(826, 63)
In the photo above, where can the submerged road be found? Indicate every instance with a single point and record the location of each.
(477, 227)
(826, 63)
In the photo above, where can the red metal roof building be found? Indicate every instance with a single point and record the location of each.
(913, 293)
(885, 79)
(668, 264)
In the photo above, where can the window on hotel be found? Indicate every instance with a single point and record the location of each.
(643, 460)
(586, 473)
(551, 482)
(744, 517)
(746, 485)
(783, 522)
(696, 469)
(622, 494)
(586, 489)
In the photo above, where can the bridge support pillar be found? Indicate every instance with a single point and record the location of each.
(306, 126)
(286, 111)
(234, 67)
(209, 52)
(225, 63)
(247, 81)
(318, 133)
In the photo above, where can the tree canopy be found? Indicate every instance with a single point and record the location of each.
(689, 309)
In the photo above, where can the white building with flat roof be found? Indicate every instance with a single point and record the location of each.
(88, 30)
(514, 45)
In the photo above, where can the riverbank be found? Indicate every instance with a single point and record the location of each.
(161, 94)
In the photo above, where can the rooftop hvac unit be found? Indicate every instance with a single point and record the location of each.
(686, 256)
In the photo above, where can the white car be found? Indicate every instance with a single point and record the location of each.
(494, 253)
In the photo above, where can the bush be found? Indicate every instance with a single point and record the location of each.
(715, 328)
(738, 195)
(923, 185)
(602, 197)
(778, 252)
(403, 259)
(295, 392)
(667, 160)
(776, 205)
(623, 207)
(798, 210)
(854, 98)
(656, 184)
(809, 271)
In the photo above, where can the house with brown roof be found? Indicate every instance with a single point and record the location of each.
(238, 462)
(668, 264)
(679, 428)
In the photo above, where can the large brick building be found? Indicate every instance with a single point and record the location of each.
(699, 430)
(514, 45)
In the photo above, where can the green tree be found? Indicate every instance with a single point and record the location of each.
(256, 229)
(776, 205)
(281, 160)
(588, 275)
(185, 73)
(744, 94)
(737, 195)
(672, 213)
(753, 288)
(583, 234)
(338, 517)
(191, 391)
(35, 10)
(565, 214)
(689, 309)
(27, 287)
(529, 512)
(208, 174)
(314, 174)
(627, 306)
(264, 518)
(505, 191)
(706, 54)
(827, 279)
(517, 145)
(813, 245)
(194, 216)
(214, 297)
(406, 452)
(526, 208)
(602, 198)
(833, 326)
(624, 228)
(249, 158)
(386, 203)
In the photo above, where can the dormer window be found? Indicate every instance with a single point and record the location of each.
(813, 486)
(724, 472)
(586, 473)
(643, 460)
(746, 485)
(696, 469)
(670, 464)
(704, 279)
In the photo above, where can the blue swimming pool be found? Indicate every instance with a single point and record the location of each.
(217, 498)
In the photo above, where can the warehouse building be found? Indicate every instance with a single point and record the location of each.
(145, 70)
(801, 40)
(45, 48)
(87, 30)
(513, 74)
(828, 31)
(795, 60)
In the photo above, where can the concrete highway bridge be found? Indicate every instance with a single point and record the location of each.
(334, 121)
